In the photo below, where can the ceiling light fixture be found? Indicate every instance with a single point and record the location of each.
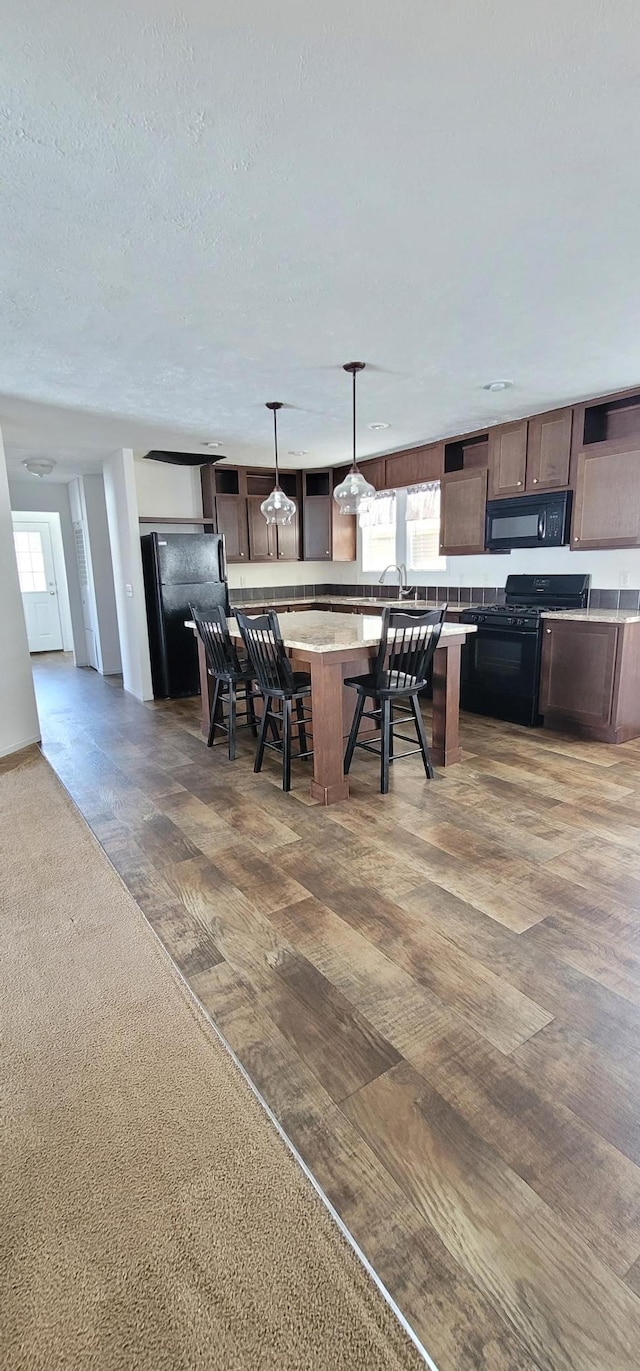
(39, 466)
(495, 386)
(206, 443)
(277, 508)
(377, 427)
(299, 452)
(354, 489)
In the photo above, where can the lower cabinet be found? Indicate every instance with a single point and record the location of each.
(590, 678)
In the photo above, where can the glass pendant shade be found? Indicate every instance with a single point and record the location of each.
(352, 491)
(277, 508)
(355, 488)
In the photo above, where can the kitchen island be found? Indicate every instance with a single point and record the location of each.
(332, 646)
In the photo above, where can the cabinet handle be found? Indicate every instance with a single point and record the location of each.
(535, 480)
(519, 483)
(547, 630)
(576, 540)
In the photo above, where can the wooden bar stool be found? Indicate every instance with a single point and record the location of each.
(230, 674)
(407, 644)
(278, 683)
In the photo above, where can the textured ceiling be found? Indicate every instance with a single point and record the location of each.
(208, 206)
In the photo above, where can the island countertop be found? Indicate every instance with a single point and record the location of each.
(318, 630)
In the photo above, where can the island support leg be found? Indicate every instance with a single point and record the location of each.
(446, 747)
(329, 782)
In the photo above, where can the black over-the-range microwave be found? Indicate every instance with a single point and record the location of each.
(529, 521)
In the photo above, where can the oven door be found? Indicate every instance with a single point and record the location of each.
(501, 673)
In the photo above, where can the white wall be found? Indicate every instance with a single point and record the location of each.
(162, 489)
(18, 714)
(124, 538)
(52, 519)
(40, 497)
(101, 571)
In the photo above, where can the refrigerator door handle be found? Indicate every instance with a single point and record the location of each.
(221, 558)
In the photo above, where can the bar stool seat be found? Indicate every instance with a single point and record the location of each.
(407, 643)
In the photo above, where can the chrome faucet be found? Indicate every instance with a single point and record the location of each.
(401, 569)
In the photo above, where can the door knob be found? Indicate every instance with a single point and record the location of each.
(52, 592)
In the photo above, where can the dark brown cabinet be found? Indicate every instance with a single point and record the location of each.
(262, 536)
(463, 502)
(590, 678)
(508, 459)
(414, 465)
(549, 450)
(231, 520)
(374, 471)
(606, 510)
(317, 528)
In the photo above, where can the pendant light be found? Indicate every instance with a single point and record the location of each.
(277, 508)
(355, 488)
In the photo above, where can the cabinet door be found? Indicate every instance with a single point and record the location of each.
(231, 519)
(549, 450)
(606, 509)
(507, 459)
(262, 536)
(578, 670)
(413, 466)
(316, 540)
(288, 540)
(463, 501)
(374, 471)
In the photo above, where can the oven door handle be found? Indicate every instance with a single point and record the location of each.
(491, 631)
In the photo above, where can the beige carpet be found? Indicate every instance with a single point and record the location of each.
(150, 1215)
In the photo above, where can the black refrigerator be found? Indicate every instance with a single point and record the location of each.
(180, 570)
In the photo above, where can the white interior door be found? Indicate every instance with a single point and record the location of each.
(36, 572)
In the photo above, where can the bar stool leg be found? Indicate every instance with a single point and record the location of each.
(231, 722)
(302, 732)
(214, 710)
(257, 765)
(385, 745)
(251, 709)
(353, 734)
(422, 737)
(286, 743)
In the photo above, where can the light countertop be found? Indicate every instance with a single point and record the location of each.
(595, 616)
(318, 630)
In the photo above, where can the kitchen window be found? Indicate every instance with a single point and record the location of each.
(378, 530)
(402, 526)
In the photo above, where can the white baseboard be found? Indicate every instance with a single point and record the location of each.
(18, 747)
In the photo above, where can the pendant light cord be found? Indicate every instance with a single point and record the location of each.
(275, 443)
(354, 466)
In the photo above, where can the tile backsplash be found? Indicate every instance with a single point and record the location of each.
(453, 595)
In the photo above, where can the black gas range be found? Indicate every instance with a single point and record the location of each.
(501, 662)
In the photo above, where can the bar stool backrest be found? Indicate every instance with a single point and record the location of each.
(408, 641)
(262, 638)
(222, 658)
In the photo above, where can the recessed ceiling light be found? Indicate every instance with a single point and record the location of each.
(497, 385)
(205, 443)
(375, 427)
(299, 452)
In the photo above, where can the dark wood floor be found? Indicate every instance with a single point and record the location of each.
(436, 991)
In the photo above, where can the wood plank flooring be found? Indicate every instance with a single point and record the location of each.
(436, 991)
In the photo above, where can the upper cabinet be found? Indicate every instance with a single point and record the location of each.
(508, 459)
(232, 496)
(462, 512)
(549, 450)
(407, 468)
(533, 454)
(328, 535)
(606, 510)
